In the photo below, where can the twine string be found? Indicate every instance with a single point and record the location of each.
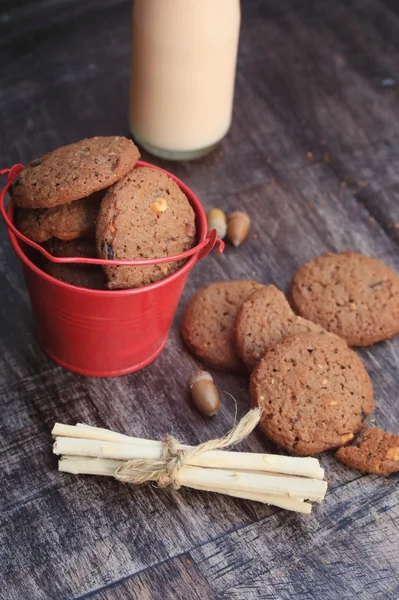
(165, 471)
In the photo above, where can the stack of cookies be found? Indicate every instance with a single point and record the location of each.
(314, 390)
(88, 200)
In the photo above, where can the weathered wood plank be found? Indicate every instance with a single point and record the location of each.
(114, 508)
(372, 175)
(342, 553)
(309, 81)
(175, 579)
(318, 93)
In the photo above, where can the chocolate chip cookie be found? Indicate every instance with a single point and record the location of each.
(375, 451)
(208, 322)
(73, 172)
(144, 215)
(349, 294)
(65, 222)
(314, 392)
(82, 247)
(86, 276)
(264, 319)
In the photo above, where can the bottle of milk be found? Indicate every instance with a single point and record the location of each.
(183, 70)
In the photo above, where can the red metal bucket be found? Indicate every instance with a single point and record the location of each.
(104, 333)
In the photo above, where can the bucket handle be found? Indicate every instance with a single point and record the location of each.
(202, 249)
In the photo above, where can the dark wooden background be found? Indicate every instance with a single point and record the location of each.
(313, 157)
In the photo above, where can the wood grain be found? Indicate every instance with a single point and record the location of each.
(312, 156)
(175, 579)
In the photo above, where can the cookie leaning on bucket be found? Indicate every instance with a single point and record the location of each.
(144, 215)
(208, 322)
(82, 247)
(349, 294)
(74, 172)
(264, 319)
(374, 451)
(86, 276)
(65, 222)
(314, 392)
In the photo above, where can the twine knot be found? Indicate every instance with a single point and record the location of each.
(165, 470)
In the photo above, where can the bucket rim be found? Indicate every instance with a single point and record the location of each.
(202, 249)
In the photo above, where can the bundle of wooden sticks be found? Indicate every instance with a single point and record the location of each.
(284, 481)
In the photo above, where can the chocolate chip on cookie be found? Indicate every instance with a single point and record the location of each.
(144, 215)
(73, 172)
(351, 295)
(65, 222)
(314, 392)
(208, 322)
(264, 319)
(374, 451)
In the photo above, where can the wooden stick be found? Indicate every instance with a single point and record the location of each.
(295, 487)
(293, 504)
(107, 466)
(81, 465)
(88, 432)
(142, 448)
(311, 489)
(100, 466)
(115, 450)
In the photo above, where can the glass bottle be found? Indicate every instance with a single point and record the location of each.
(184, 55)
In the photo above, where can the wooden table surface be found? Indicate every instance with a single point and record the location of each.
(313, 157)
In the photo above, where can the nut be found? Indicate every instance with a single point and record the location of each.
(393, 454)
(204, 393)
(346, 437)
(237, 227)
(217, 220)
(159, 206)
(164, 268)
(189, 230)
